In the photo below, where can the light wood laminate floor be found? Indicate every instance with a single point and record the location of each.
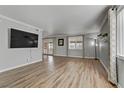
(58, 72)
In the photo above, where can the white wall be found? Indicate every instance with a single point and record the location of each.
(11, 58)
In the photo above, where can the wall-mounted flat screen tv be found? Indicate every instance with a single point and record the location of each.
(22, 39)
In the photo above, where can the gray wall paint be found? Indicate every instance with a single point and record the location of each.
(104, 46)
(120, 69)
(89, 47)
(11, 58)
(63, 51)
(75, 53)
(60, 50)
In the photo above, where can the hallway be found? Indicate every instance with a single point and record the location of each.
(58, 72)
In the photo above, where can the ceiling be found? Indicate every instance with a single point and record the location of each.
(60, 19)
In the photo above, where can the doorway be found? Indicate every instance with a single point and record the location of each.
(48, 46)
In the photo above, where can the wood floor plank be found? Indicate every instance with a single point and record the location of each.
(57, 72)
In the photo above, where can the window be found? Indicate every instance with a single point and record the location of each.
(120, 33)
(75, 42)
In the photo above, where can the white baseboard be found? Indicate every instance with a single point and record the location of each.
(104, 67)
(60, 55)
(11, 68)
(90, 57)
(119, 86)
(75, 56)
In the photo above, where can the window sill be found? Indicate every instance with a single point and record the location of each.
(120, 57)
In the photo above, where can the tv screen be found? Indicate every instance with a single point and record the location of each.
(21, 39)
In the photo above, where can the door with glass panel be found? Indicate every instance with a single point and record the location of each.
(48, 46)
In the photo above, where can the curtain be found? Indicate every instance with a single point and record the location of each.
(112, 22)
